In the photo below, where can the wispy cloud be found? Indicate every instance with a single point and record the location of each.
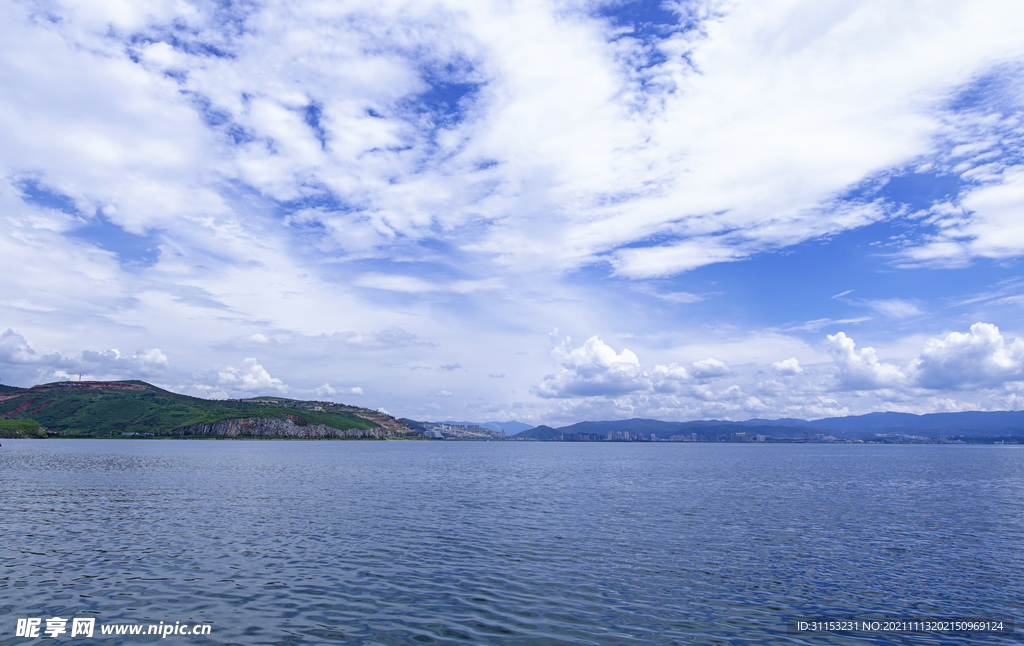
(409, 186)
(819, 324)
(416, 285)
(896, 308)
(681, 298)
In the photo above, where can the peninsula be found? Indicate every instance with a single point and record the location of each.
(133, 409)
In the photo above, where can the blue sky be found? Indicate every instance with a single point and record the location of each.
(542, 211)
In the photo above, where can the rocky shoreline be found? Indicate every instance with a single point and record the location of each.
(282, 428)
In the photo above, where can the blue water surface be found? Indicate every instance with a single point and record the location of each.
(352, 542)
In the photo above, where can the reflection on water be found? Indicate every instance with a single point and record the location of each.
(507, 543)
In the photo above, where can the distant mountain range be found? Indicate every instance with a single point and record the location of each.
(971, 423)
(134, 408)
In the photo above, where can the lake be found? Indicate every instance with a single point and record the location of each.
(355, 542)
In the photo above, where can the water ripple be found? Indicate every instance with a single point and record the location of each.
(508, 543)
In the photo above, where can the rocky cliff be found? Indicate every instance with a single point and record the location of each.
(269, 427)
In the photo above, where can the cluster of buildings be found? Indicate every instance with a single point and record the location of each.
(610, 436)
(441, 431)
(820, 437)
(625, 436)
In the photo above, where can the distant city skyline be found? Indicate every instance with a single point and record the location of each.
(546, 212)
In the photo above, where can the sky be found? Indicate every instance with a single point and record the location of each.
(533, 210)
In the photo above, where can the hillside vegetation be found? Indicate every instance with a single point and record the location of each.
(16, 428)
(116, 408)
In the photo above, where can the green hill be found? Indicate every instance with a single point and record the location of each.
(539, 433)
(115, 408)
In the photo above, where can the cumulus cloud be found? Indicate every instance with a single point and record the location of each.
(710, 368)
(25, 363)
(16, 350)
(251, 378)
(790, 367)
(863, 370)
(980, 357)
(670, 379)
(143, 360)
(325, 390)
(611, 384)
(593, 369)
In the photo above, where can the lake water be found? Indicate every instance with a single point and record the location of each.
(348, 542)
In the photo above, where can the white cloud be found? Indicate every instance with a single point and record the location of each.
(861, 371)
(15, 349)
(995, 228)
(980, 357)
(805, 76)
(593, 369)
(144, 363)
(896, 308)
(980, 145)
(670, 379)
(21, 361)
(388, 338)
(253, 377)
(596, 370)
(855, 382)
(790, 367)
(818, 324)
(793, 104)
(710, 368)
(656, 262)
(325, 390)
(416, 285)
(682, 298)
(303, 184)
